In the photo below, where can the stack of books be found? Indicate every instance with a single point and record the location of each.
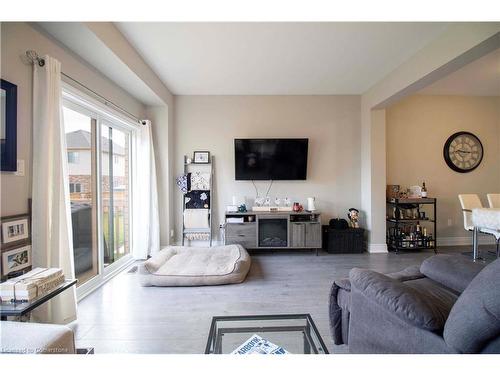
(31, 285)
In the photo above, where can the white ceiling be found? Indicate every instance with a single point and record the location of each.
(83, 42)
(276, 58)
(479, 78)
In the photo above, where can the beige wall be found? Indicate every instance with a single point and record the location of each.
(457, 46)
(16, 38)
(331, 123)
(417, 128)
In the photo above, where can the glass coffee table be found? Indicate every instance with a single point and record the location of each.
(296, 333)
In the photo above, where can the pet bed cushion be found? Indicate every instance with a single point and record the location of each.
(195, 266)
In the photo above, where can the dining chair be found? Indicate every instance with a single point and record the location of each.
(493, 200)
(468, 203)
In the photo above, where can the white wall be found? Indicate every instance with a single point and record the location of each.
(331, 123)
(418, 127)
(16, 38)
(163, 134)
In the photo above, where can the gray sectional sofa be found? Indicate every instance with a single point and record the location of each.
(446, 305)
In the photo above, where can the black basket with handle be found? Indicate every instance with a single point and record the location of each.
(343, 241)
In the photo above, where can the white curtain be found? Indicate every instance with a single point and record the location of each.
(52, 241)
(146, 228)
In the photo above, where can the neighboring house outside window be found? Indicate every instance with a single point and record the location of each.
(73, 157)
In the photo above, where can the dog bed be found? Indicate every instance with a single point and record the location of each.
(195, 266)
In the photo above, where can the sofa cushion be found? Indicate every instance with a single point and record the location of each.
(36, 338)
(475, 318)
(344, 284)
(410, 304)
(455, 272)
(409, 273)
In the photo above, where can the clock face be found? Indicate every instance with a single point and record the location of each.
(463, 152)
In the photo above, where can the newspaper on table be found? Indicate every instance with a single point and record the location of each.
(258, 345)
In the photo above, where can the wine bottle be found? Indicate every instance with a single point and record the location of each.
(424, 190)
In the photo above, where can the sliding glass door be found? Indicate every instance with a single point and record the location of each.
(80, 129)
(99, 170)
(115, 161)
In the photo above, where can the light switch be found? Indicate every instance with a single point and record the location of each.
(20, 168)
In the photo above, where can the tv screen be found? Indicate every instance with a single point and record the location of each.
(271, 159)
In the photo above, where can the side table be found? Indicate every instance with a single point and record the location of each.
(18, 309)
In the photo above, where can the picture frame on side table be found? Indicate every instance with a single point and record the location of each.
(8, 126)
(16, 259)
(201, 157)
(15, 229)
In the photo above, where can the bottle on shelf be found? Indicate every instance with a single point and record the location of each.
(424, 190)
(425, 242)
(418, 235)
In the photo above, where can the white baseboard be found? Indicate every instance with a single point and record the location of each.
(465, 241)
(377, 248)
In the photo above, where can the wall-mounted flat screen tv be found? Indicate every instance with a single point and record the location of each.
(271, 159)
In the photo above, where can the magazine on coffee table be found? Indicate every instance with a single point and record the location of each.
(258, 345)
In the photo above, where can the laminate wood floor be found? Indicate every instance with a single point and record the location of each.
(123, 317)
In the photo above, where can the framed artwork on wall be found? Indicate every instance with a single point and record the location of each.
(201, 157)
(16, 259)
(15, 229)
(8, 126)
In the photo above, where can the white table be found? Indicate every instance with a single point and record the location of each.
(485, 220)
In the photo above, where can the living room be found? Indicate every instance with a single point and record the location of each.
(232, 187)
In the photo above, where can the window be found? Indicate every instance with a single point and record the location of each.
(75, 187)
(99, 183)
(73, 157)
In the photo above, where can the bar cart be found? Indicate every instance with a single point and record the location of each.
(408, 224)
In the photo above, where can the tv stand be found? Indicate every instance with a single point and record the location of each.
(273, 230)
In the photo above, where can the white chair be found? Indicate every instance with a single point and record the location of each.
(493, 200)
(468, 203)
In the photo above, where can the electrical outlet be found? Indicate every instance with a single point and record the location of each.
(20, 168)
(450, 222)
(171, 233)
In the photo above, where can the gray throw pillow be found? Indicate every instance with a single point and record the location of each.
(474, 320)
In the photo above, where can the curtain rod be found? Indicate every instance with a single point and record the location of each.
(33, 57)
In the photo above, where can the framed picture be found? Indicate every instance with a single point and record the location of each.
(201, 157)
(16, 259)
(15, 229)
(8, 126)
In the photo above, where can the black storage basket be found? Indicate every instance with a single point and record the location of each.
(343, 241)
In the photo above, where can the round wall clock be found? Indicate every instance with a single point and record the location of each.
(463, 152)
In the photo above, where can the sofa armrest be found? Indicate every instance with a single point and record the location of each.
(454, 272)
(396, 297)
